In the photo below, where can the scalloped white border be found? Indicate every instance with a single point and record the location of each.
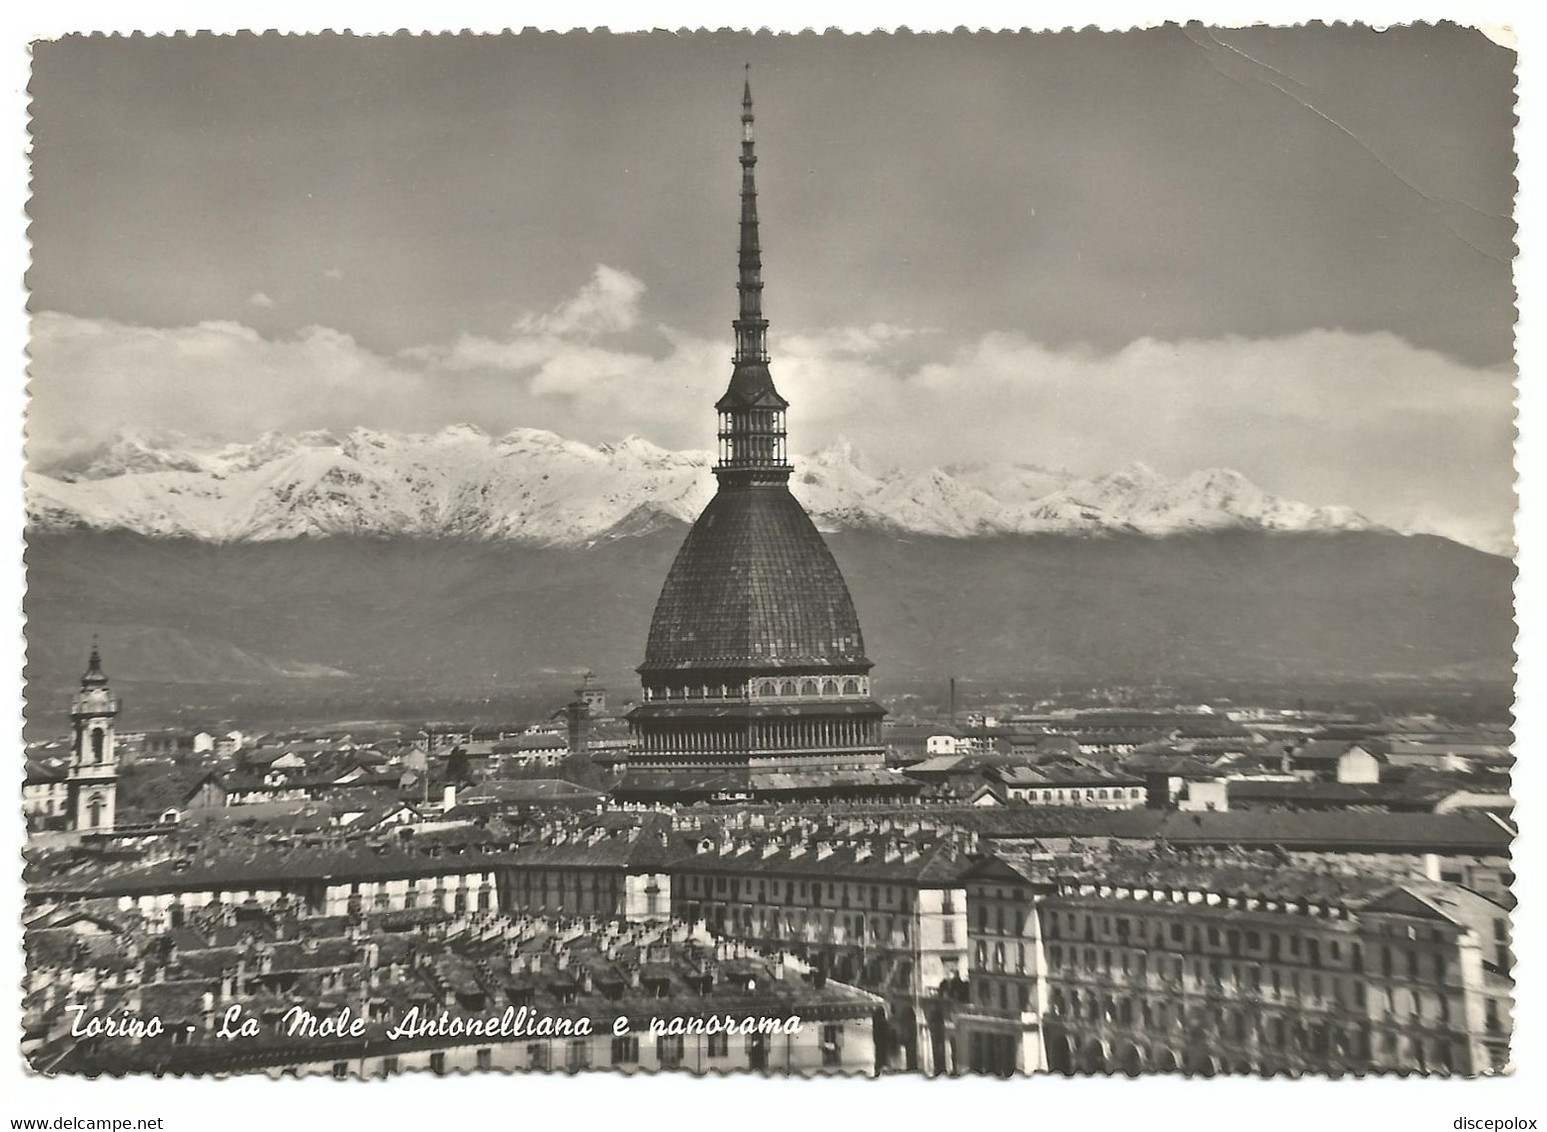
(1154, 1105)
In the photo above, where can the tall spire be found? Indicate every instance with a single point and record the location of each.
(752, 434)
(751, 326)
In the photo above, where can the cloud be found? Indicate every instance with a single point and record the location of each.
(608, 304)
(333, 273)
(260, 300)
(1408, 436)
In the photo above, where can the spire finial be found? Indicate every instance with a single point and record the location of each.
(751, 327)
(94, 676)
(752, 436)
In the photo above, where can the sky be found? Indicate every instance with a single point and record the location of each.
(1282, 251)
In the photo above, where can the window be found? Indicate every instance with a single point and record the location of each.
(625, 1050)
(438, 1064)
(577, 1056)
(832, 1045)
(668, 1050)
(757, 1051)
(719, 1045)
(947, 931)
(485, 1058)
(340, 1070)
(389, 1066)
(537, 1055)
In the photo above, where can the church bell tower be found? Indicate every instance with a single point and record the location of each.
(93, 773)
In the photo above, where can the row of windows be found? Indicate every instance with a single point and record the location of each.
(1234, 978)
(780, 735)
(1005, 921)
(542, 880)
(1002, 993)
(1240, 1025)
(1273, 983)
(1001, 956)
(805, 892)
(768, 923)
(765, 689)
(434, 898)
(441, 883)
(1080, 794)
(1173, 933)
(1390, 961)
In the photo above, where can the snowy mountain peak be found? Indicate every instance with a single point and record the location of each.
(535, 486)
(839, 453)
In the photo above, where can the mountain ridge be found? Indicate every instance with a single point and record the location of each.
(355, 621)
(536, 487)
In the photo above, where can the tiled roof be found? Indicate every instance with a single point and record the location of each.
(644, 852)
(754, 586)
(1328, 750)
(596, 970)
(529, 790)
(1179, 766)
(1347, 828)
(39, 771)
(649, 784)
(1308, 829)
(937, 863)
(543, 741)
(1065, 776)
(1353, 793)
(942, 764)
(255, 868)
(1258, 875)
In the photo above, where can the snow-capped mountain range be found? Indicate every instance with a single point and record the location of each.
(536, 487)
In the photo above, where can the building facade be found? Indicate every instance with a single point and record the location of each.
(1208, 966)
(884, 912)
